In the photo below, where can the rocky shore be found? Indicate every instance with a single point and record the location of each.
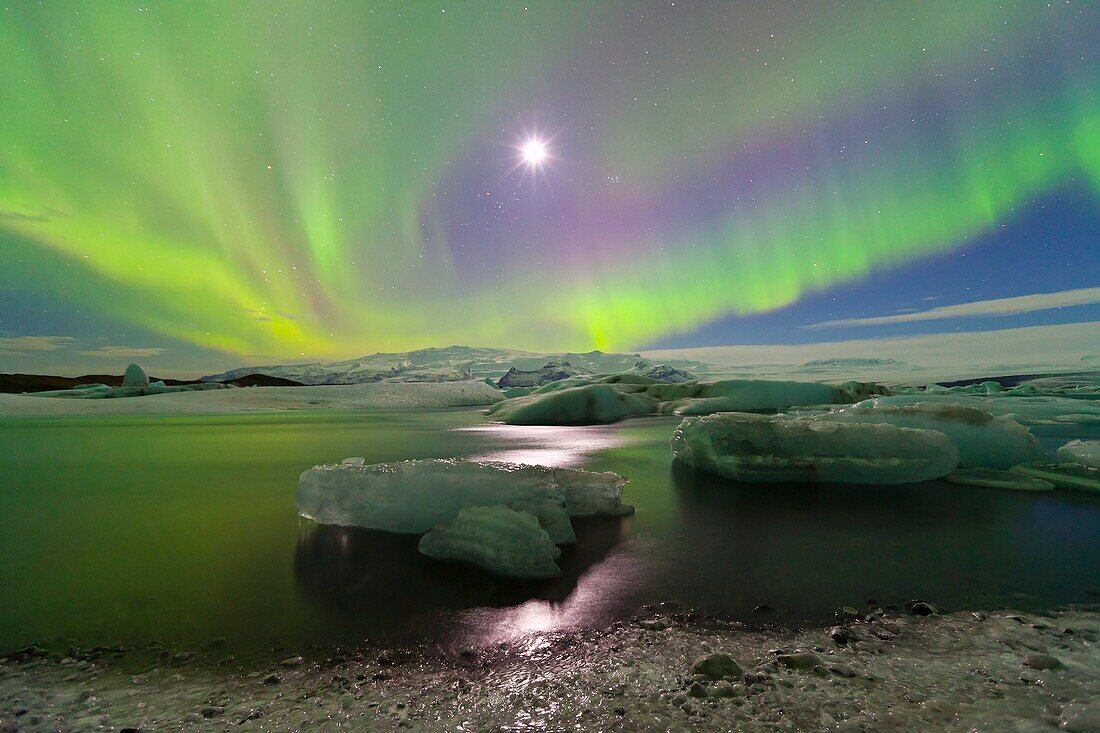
(874, 670)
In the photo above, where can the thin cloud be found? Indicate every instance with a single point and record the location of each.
(123, 352)
(25, 345)
(978, 309)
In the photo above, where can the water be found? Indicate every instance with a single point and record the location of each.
(183, 529)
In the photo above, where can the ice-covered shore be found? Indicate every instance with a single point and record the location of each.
(381, 395)
(1000, 672)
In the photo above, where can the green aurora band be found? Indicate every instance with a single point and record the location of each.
(291, 179)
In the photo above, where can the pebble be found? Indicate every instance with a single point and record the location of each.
(802, 661)
(292, 662)
(272, 679)
(921, 608)
(1042, 661)
(716, 666)
(1079, 717)
(840, 634)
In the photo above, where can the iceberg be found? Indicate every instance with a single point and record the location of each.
(1085, 452)
(749, 447)
(1062, 475)
(984, 440)
(992, 478)
(587, 405)
(762, 395)
(1042, 410)
(413, 496)
(497, 539)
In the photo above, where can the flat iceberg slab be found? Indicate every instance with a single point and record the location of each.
(497, 539)
(1062, 475)
(992, 478)
(748, 447)
(984, 440)
(413, 496)
(765, 395)
(1085, 452)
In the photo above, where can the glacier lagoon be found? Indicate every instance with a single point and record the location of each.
(182, 530)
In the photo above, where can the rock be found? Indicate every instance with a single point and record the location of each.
(716, 666)
(697, 690)
(921, 608)
(273, 679)
(764, 610)
(1042, 661)
(653, 624)
(292, 662)
(722, 689)
(1079, 717)
(212, 711)
(134, 377)
(801, 661)
(841, 635)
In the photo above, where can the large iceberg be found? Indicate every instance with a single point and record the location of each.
(591, 400)
(749, 447)
(984, 440)
(413, 496)
(497, 539)
(1085, 452)
(587, 405)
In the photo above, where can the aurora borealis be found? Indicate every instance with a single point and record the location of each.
(331, 179)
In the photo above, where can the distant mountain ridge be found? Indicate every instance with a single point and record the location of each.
(446, 364)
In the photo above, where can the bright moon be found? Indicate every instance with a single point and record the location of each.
(534, 152)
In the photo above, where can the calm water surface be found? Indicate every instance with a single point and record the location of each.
(183, 529)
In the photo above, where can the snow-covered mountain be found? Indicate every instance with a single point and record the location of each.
(448, 364)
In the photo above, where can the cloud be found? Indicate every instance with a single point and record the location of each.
(123, 352)
(979, 309)
(25, 345)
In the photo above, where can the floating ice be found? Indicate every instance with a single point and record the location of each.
(761, 395)
(587, 405)
(993, 478)
(747, 447)
(983, 440)
(1025, 410)
(412, 496)
(134, 377)
(1062, 475)
(590, 400)
(495, 538)
(1085, 452)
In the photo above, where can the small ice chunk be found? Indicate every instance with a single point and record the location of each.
(1085, 452)
(588, 405)
(355, 461)
(552, 517)
(495, 538)
(749, 447)
(412, 496)
(1063, 475)
(993, 478)
(135, 377)
(984, 440)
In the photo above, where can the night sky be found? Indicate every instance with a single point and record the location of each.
(244, 181)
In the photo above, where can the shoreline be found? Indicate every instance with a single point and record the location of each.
(966, 670)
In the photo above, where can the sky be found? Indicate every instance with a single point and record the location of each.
(222, 183)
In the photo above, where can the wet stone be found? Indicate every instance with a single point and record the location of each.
(716, 666)
(801, 661)
(1042, 661)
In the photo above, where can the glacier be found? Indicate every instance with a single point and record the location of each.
(497, 539)
(750, 447)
